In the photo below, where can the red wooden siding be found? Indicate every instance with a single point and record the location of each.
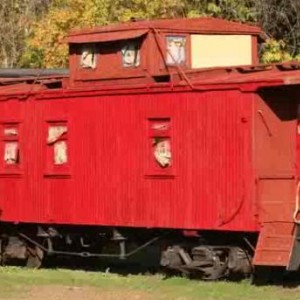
(108, 180)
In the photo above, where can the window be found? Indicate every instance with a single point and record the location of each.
(131, 54)
(88, 57)
(162, 151)
(176, 50)
(160, 143)
(10, 140)
(57, 142)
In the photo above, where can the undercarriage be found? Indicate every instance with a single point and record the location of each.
(207, 255)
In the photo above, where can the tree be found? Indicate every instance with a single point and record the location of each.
(275, 51)
(15, 24)
(280, 19)
(45, 45)
(46, 48)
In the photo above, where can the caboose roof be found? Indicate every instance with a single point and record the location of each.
(244, 78)
(135, 29)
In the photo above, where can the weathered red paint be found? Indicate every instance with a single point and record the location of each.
(151, 36)
(276, 174)
(195, 25)
(111, 178)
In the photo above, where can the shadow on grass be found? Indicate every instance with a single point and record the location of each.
(144, 263)
(147, 263)
(275, 276)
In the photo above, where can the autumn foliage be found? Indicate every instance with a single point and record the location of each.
(32, 32)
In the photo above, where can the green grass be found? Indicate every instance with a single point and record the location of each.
(15, 280)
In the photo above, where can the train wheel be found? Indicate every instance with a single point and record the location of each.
(3, 256)
(35, 257)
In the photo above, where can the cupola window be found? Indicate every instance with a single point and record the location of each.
(131, 54)
(88, 57)
(176, 50)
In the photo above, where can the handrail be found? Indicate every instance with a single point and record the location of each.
(297, 207)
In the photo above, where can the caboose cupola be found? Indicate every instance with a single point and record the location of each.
(149, 51)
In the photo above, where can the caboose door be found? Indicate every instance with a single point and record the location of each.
(275, 155)
(294, 263)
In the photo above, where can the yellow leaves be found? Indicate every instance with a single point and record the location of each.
(45, 47)
(275, 51)
(65, 15)
(49, 32)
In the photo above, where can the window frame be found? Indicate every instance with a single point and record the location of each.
(95, 47)
(187, 63)
(14, 169)
(52, 169)
(154, 170)
(138, 44)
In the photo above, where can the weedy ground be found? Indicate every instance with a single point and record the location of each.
(62, 284)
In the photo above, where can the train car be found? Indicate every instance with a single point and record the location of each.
(165, 133)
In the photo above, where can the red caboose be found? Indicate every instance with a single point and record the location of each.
(165, 132)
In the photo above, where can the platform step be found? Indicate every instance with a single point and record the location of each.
(275, 244)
